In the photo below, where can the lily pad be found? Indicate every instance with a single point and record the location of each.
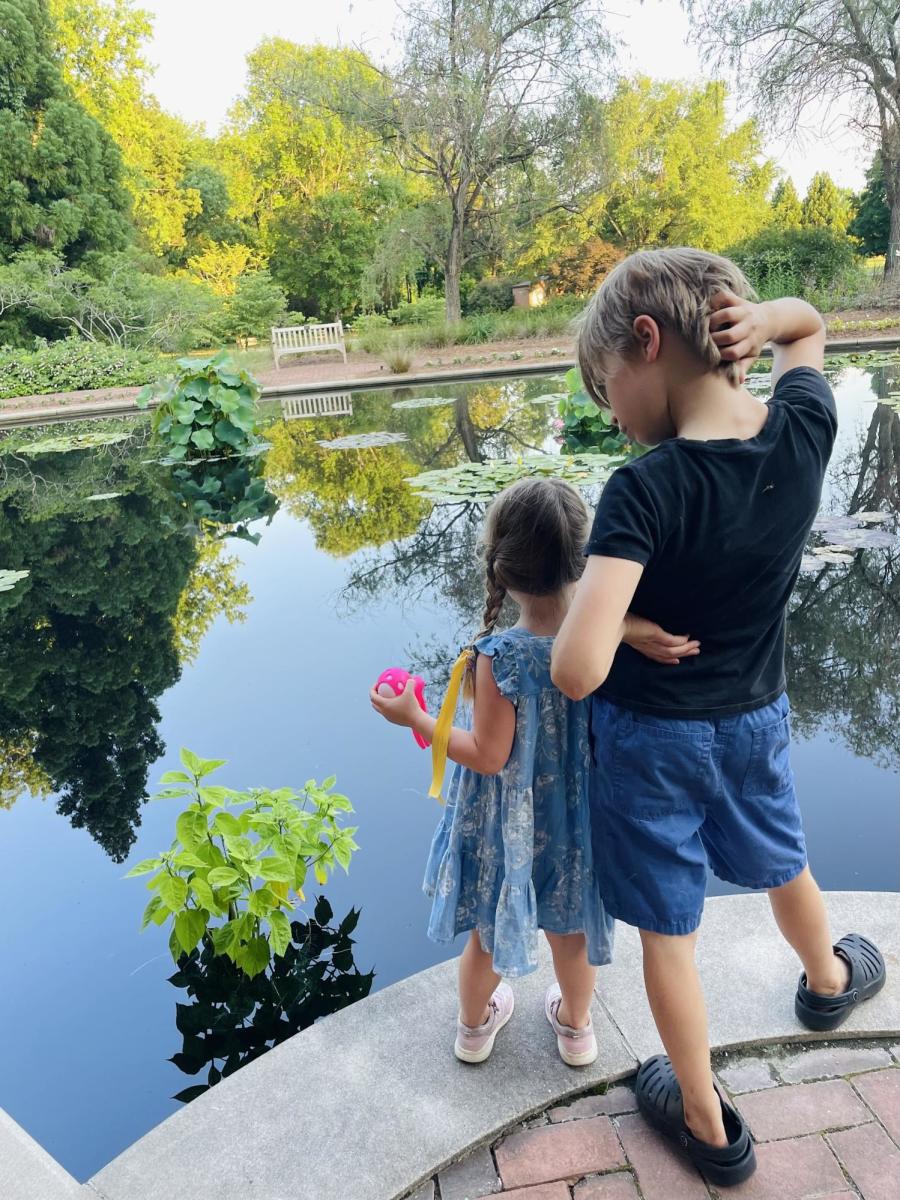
(831, 555)
(363, 441)
(424, 402)
(872, 518)
(73, 441)
(9, 579)
(482, 481)
(104, 496)
(809, 563)
(548, 398)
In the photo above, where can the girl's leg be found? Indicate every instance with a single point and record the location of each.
(575, 975)
(799, 909)
(678, 1007)
(477, 981)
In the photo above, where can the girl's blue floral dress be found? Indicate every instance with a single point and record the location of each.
(512, 853)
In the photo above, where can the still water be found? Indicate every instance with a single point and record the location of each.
(136, 635)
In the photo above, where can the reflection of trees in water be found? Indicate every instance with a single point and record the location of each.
(234, 1019)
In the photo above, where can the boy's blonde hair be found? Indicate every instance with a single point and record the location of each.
(674, 287)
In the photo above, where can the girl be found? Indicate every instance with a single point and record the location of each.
(512, 853)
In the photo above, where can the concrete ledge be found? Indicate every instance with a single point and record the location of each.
(27, 1171)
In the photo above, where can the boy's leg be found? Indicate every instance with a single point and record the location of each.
(676, 1001)
(575, 975)
(477, 981)
(800, 912)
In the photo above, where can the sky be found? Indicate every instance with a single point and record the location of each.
(200, 46)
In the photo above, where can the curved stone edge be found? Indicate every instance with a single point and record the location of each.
(370, 1102)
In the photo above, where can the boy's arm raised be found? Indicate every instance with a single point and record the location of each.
(741, 328)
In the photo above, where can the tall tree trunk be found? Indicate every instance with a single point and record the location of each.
(892, 192)
(453, 266)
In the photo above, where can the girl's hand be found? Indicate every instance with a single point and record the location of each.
(653, 642)
(739, 328)
(399, 710)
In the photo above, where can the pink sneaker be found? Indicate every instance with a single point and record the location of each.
(577, 1047)
(475, 1043)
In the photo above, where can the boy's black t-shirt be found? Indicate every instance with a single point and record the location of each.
(720, 528)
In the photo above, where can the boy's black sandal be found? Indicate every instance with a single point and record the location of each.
(660, 1103)
(867, 975)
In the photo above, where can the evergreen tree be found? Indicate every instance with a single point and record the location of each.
(787, 211)
(871, 221)
(59, 171)
(825, 205)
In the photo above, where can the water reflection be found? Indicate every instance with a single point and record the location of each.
(233, 1019)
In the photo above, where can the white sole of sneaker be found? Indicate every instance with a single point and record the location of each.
(477, 1056)
(584, 1059)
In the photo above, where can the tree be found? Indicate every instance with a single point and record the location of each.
(102, 51)
(60, 173)
(871, 221)
(825, 205)
(787, 212)
(582, 268)
(793, 53)
(484, 86)
(677, 174)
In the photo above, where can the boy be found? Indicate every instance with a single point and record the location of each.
(705, 532)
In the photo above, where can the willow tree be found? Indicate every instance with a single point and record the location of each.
(482, 87)
(796, 53)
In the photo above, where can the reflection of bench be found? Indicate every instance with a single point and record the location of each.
(306, 339)
(323, 404)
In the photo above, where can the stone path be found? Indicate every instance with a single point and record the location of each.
(826, 1120)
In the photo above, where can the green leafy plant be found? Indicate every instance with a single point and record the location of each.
(480, 482)
(208, 407)
(228, 877)
(223, 496)
(74, 365)
(584, 425)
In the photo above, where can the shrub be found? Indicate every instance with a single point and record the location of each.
(208, 407)
(584, 425)
(490, 296)
(398, 355)
(73, 365)
(427, 311)
(581, 269)
(813, 263)
(257, 304)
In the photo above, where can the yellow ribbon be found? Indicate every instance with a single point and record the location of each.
(440, 742)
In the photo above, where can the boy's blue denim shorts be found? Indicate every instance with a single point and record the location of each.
(670, 796)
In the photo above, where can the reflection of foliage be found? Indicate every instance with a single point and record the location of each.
(20, 773)
(222, 496)
(234, 1019)
(88, 644)
(351, 499)
(586, 426)
(212, 588)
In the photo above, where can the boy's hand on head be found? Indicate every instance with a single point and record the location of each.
(653, 642)
(739, 328)
(399, 710)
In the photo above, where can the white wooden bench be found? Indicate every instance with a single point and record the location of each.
(306, 339)
(323, 404)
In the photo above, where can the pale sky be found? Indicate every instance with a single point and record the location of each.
(200, 46)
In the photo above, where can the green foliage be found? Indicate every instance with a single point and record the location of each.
(585, 426)
(237, 857)
(480, 482)
(871, 222)
(678, 174)
(256, 304)
(797, 262)
(234, 1019)
(224, 497)
(787, 211)
(429, 310)
(490, 296)
(72, 365)
(825, 205)
(208, 407)
(60, 173)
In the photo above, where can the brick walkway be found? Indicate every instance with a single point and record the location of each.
(826, 1120)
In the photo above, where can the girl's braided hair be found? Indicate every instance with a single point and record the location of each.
(532, 542)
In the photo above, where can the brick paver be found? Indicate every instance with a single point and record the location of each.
(470, 1178)
(661, 1174)
(620, 1186)
(827, 1062)
(565, 1151)
(828, 1139)
(794, 1169)
(616, 1101)
(802, 1108)
(881, 1091)
(871, 1160)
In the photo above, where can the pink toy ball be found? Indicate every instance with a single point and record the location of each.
(392, 682)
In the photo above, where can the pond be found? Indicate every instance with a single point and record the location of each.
(136, 634)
